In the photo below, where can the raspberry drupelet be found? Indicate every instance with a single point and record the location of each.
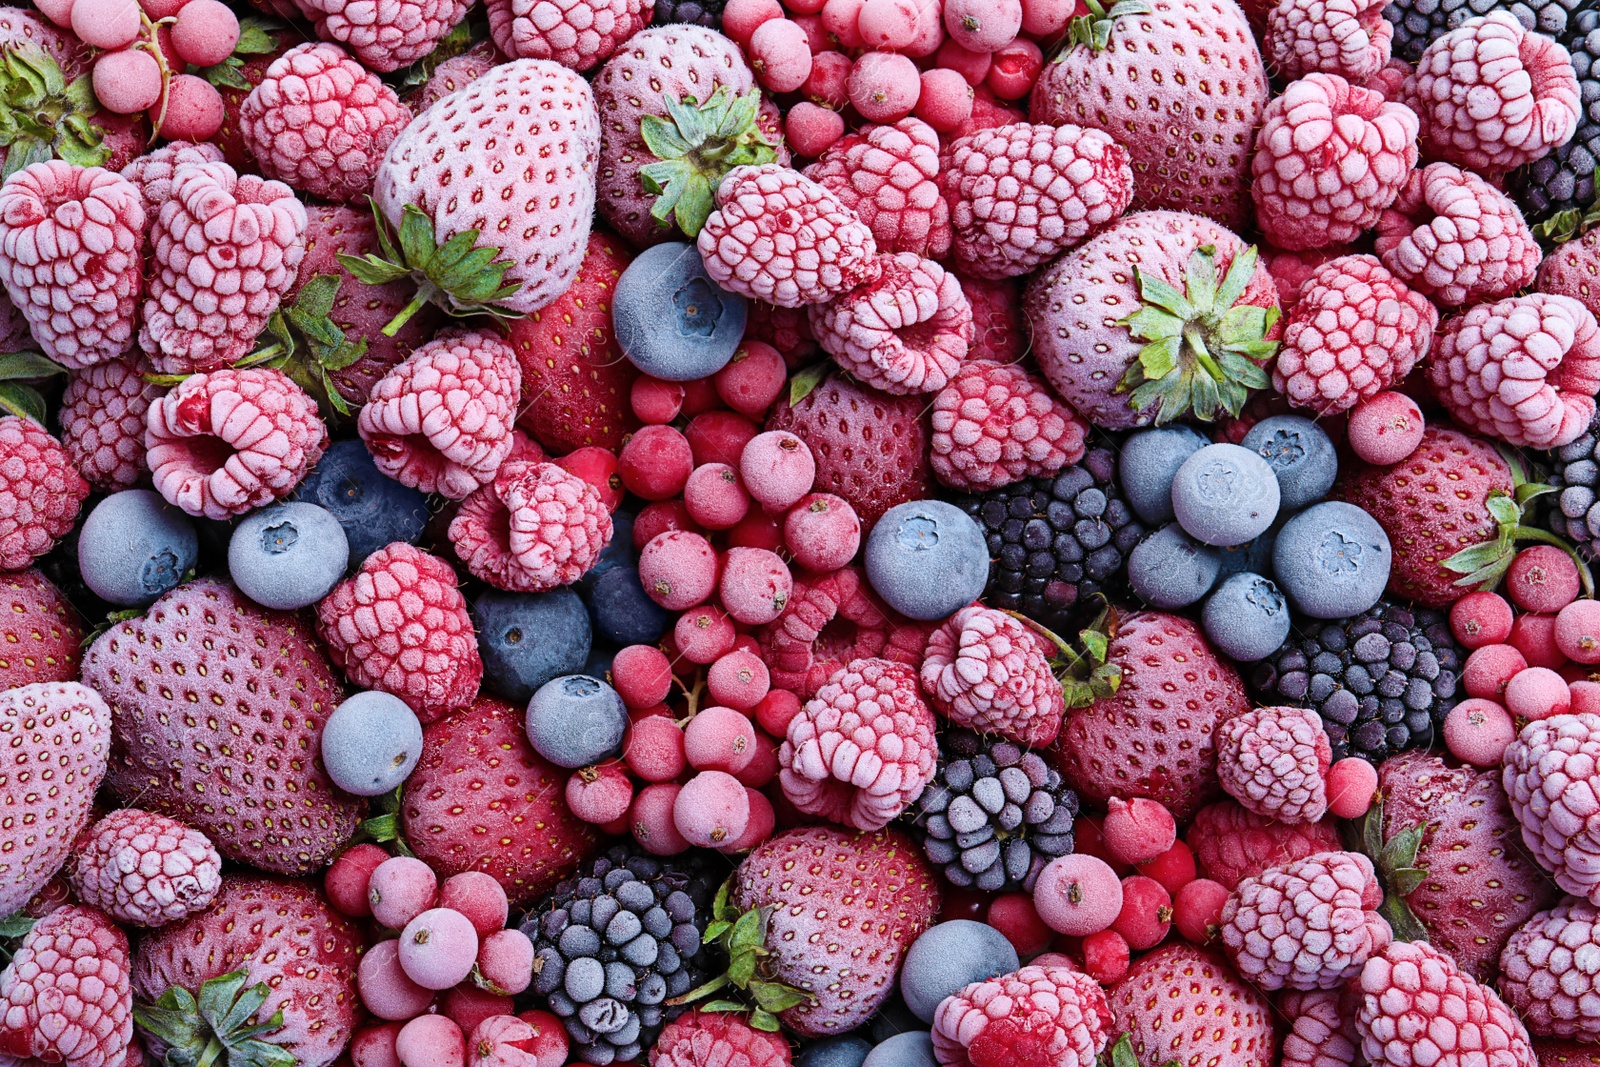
(889, 176)
(533, 529)
(102, 423)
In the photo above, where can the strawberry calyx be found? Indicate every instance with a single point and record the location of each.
(1094, 29)
(1395, 859)
(1084, 674)
(255, 39)
(384, 827)
(695, 145)
(1483, 565)
(215, 1029)
(43, 116)
(742, 936)
(303, 342)
(13, 928)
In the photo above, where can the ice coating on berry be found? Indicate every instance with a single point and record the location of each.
(889, 176)
(1050, 1016)
(147, 869)
(906, 330)
(985, 670)
(1542, 974)
(1349, 38)
(387, 35)
(578, 34)
(1408, 988)
(1232, 843)
(1275, 762)
(994, 424)
(102, 423)
(66, 996)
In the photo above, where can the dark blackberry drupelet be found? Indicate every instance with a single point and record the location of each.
(1564, 180)
(995, 814)
(1056, 542)
(614, 942)
(707, 13)
(1418, 23)
(1573, 510)
(1382, 680)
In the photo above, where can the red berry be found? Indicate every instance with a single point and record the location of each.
(740, 18)
(641, 675)
(478, 896)
(1352, 783)
(1197, 910)
(466, 1005)
(193, 111)
(1138, 830)
(598, 467)
(714, 497)
(1089, 839)
(400, 889)
(386, 990)
(963, 904)
(812, 129)
(1077, 895)
(756, 530)
(1480, 618)
(972, 66)
(1535, 637)
(658, 518)
(373, 1046)
(1014, 916)
(1174, 868)
(653, 749)
(756, 585)
(817, 39)
(1014, 70)
(887, 25)
(652, 822)
(780, 55)
(764, 766)
(712, 808)
(719, 739)
(1146, 913)
(438, 948)
(599, 794)
(1578, 631)
(127, 82)
(205, 32)
(884, 86)
(1385, 428)
(1477, 731)
(699, 397)
(1537, 693)
(752, 380)
(720, 436)
(778, 469)
(1585, 698)
(347, 878)
(654, 401)
(841, 18)
(983, 25)
(655, 463)
(1046, 18)
(703, 634)
(678, 569)
(431, 1041)
(763, 820)
(106, 23)
(738, 680)
(1105, 957)
(828, 84)
(1542, 578)
(777, 710)
(1488, 669)
(945, 102)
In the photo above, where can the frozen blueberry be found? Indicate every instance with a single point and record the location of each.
(134, 546)
(1169, 569)
(671, 319)
(1252, 555)
(1225, 495)
(835, 1052)
(287, 556)
(598, 665)
(526, 639)
(619, 552)
(927, 559)
(914, 1049)
(623, 612)
(371, 743)
(374, 510)
(1150, 459)
(949, 956)
(1332, 560)
(1247, 618)
(576, 720)
(1301, 454)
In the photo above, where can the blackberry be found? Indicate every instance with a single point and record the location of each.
(1056, 542)
(615, 941)
(1418, 23)
(1382, 680)
(1575, 509)
(1564, 179)
(707, 13)
(995, 814)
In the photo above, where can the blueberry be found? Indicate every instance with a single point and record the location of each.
(1332, 560)
(287, 556)
(1247, 618)
(927, 559)
(1225, 495)
(949, 956)
(835, 1052)
(619, 551)
(914, 1049)
(1150, 459)
(576, 720)
(623, 612)
(1169, 569)
(134, 547)
(1252, 555)
(526, 639)
(374, 510)
(1301, 454)
(671, 319)
(371, 743)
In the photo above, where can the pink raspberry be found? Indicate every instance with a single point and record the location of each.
(1275, 762)
(1452, 236)
(1524, 370)
(1549, 777)
(986, 671)
(1492, 95)
(1292, 270)
(578, 34)
(321, 122)
(1348, 38)
(1232, 843)
(40, 492)
(701, 1038)
(1545, 975)
(102, 423)
(1355, 331)
(147, 869)
(996, 424)
(1310, 924)
(441, 421)
(1041, 1016)
(533, 529)
(385, 35)
(779, 237)
(830, 620)
(1418, 1010)
(401, 625)
(905, 331)
(154, 171)
(889, 176)
(1329, 158)
(70, 242)
(862, 749)
(227, 442)
(1390, 80)
(1321, 1034)
(66, 997)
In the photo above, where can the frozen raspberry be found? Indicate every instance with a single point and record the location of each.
(226, 248)
(40, 492)
(995, 424)
(1454, 237)
(906, 331)
(830, 620)
(227, 442)
(1348, 38)
(1275, 761)
(153, 172)
(889, 176)
(701, 1038)
(1548, 770)
(779, 237)
(1292, 270)
(66, 998)
(1545, 976)
(1329, 158)
(1320, 1034)
(861, 750)
(575, 33)
(321, 122)
(146, 869)
(1041, 1016)
(1232, 843)
(441, 421)
(534, 528)
(102, 423)
(387, 34)
(70, 243)
(401, 625)
(986, 671)
(786, 329)
(1390, 79)
(1524, 370)
(1492, 95)
(1418, 1010)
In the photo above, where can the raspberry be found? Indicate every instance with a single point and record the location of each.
(1492, 95)
(226, 248)
(861, 750)
(441, 421)
(227, 442)
(1545, 978)
(153, 172)
(66, 998)
(102, 423)
(401, 626)
(1320, 1034)
(1452, 236)
(830, 620)
(1417, 1009)
(146, 869)
(907, 330)
(1548, 770)
(321, 122)
(889, 175)
(533, 529)
(985, 670)
(1044, 1016)
(1524, 370)
(723, 1038)
(1232, 843)
(578, 34)
(1348, 38)
(1023, 193)
(1310, 924)
(1329, 158)
(40, 492)
(1275, 761)
(387, 34)
(779, 237)
(69, 257)
(995, 424)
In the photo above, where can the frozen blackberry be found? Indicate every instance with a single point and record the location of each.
(1382, 680)
(707, 13)
(995, 814)
(1563, 181)
(1054, 543)
(1418, 23)
(1575, 511)
(615, 941)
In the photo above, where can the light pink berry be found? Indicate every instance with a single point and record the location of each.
(1078, 895)
(400, 889)
(127, 82)
(907, 331)
(479, 897)
(438, 948)
(778, 469)
(1385, 428)
(884, 86)
(984, 670)
(1477, 731)
(431, 1041)
(822, 532)
(755, 586)
(738, 680)
(780, 55)
(386, 990)
(712, 808)
(193, 110)
(1349, 38)
(678, 569)
(1549, 773)
(505, 958)
(1275, 761)
(205, 32)
(1352, 783)
(812, 129)
(1311, 924)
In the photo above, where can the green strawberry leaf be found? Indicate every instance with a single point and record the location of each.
(16, 925)
(722, 1005)
(15, 365)
(715, 930)
(1405, 880)
(805, 380)
(1400, 851)
(776, 997)
(763, 1020)
(1401, 919)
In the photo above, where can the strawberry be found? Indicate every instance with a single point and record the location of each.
(1182, 1004)
(269, 951)
(41, 633)
(219, 706)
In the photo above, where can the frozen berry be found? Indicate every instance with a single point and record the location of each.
(776, 711)
(757, 530)
(127, 82)
(431, 1041)
(655, 402)
(205, 32)
(654, 749)
(479, 897)
(887, 25)
(741, 18)
(678, 569)
(972, 66)
(763, 820)
(373, 1045)
(1014, 69)
(1477, 731)
(1480, 618)
(738, 680)
(106, 23)
(711, 808)
(719, 739)
(1537, 693)
(1146, 913)
(1046, 18)
(780, 55)
(1577, 631)
(1542, 578)
(466, 1005)
(505, 960)
(720, 436)
(1534, 635)
(1489, 668)
(655, 463)
(385, 988)
(1174, 868)
(1197, 910)
(401, 888)
(438, 948)
(703, 634)
(982, 25)
(1015, 916)
(763, 766)
(822, 532)
(752, 379)
(945, 100)
(755, 586)
(884, 86)
(641, 675)
(1352, 783)
(346, 879)
(1385, 429)
(714, 497)
(812, 129)
(1078, 895)
(598, 467)
(842, 20)
(829, 81)
(600, 794)
(1585, 698)
(1105, 956)
(193, 111)
(1138, 830)
(778, 469)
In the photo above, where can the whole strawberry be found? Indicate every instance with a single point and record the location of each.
(65, 996)
(1177, 983)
